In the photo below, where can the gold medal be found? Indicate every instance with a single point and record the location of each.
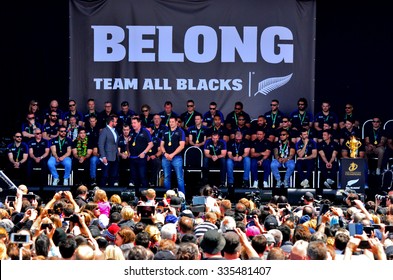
(150, 151)
(133, 144)
(170, 144)
(197, 141)
(375, 142)
(273, 126)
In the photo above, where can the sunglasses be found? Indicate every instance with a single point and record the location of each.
(237, 108)
(190, 105)
(71, 105)
(34, 104)
(38, 133)
(55, 116)
(53, 107)
(241, 119)
(18, 136)
(284, 134)
(300, 104)
(31, 118)
(145, 110)
(284, 121)
(212, 108)
(348, 107)
(62, 130)
(375, 121)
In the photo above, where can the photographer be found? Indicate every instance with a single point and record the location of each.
(82, 194)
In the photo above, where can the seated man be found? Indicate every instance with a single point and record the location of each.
(38, 156)
(17, 153)
(61, 155)
(284, 154)
(375, 140)
(328, 150)
(81, 151)
(215, 151)
(307, 152)
(238, 156)
(260, 157)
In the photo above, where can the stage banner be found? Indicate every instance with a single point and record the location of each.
(353, 174)
(225, 51)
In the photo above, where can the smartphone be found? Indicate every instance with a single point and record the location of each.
(389, 228)
(364, 244)
(29, 196)
(355, 229)
(266, 208)
(376, 226)
(10, 198)
(198, 200)
(44, 226)
(145, 211)
(20, 238)
(281, 205)
(324, 209)
(368, 230)
(250, 217)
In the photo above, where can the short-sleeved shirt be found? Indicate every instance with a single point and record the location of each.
(158, 131)
(298, 120)
(189, 119)
(78, 115)
(283, 148)
(261, 146)
(222, 131)
(51, 129)
(215, 149)
(172, 139)
(198, 134)
(208, 118)
(17, 152)
(38, 147)
(87, 116)
(30, 129)
(61, 145)
(233, 117)
(237, 148)
(156, 144)
(274, 120)
(331, 119)
(139, 142)
(165, 117)
(328, 149)
(244, 130)
(255, 127)
(345, 134)
(81, 149)
(123, 143)
(311, 145)
(374, 136)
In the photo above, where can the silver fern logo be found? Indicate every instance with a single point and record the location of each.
(268, 85)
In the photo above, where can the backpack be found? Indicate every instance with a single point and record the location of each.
(387, 179)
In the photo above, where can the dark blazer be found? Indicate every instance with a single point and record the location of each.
(107, 146)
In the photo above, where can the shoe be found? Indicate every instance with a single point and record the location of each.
(93, 182)
(304, 183)
(65, 182)
(131, 184)
(245, 185)
(265, 185)
(116, 184)
(222, 186)
(378, 171)
(327, 185)
(278, 185)
(255, 185)
(330, 181)
(55, 182)
(286, 184)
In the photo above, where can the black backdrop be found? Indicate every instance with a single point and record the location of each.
(353, 57)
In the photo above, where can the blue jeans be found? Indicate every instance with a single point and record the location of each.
(265, 167)
(94, 161)
(289, 165)
(177, 164)
(245, 164)
(67, 163)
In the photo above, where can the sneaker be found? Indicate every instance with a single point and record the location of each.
(255, 185)
(330, 181)
(278, 185)
(304, 183)
(55, 182)
(378, 171)
(65, 182)
(131, 184)
(116, 184)
(286, 184)
(327, 185)
(265, 185)
(93, 182)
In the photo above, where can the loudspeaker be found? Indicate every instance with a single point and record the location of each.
(332, 195)
(294, 195)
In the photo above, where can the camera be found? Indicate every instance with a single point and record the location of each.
(381, 198)
(44, 226)
(73, 218)
(255, 197)
(20, 238)
(11, 198)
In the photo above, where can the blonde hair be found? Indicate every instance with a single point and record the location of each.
(127, 213)
(115, 198)
(100, 195)
(150, 194)
(112, 252)
(154, 232)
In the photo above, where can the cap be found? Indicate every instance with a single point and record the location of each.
(175, 201)
(308, 196)
(212, 242)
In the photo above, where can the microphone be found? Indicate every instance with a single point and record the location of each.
(7, 180)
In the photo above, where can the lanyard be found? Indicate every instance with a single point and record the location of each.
(168, 119)
(133, 144)
(274, 117)
(170, 137)
(283, 149)
(301, 117)
(189, 118)
(199, 133)
(17, 154)
(237, 148)
(61, 143)
(235, 118)
(375, 137)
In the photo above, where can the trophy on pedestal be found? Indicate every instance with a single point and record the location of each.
(353, 144)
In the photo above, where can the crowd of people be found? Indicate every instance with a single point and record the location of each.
(144, 143)
(93, 226)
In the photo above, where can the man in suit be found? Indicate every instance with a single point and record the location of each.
(107, 146)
